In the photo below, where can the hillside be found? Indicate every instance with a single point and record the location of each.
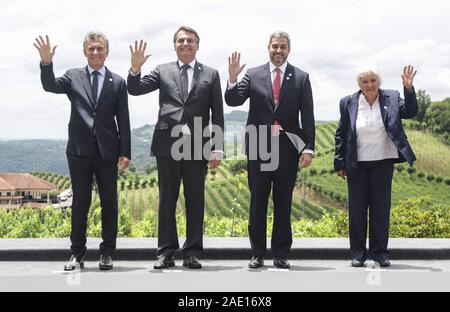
(318, 188)
(50, 155)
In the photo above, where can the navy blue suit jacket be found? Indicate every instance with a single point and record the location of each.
(393, 109)
(109, 117)
(295, 99)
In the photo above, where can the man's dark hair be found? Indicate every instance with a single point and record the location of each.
(188, 29)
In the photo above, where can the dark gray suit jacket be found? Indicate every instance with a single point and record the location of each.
(204, 97)
(110, 117)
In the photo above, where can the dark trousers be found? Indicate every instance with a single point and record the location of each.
(282, 182)
(170, 174)
(82, 170)
(370, 191)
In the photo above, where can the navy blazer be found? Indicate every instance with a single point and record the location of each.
(295, 101)
(109, 117)
(393, 109)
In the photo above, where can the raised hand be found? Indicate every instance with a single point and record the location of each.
(46, 51)
(234, 66)
(408, 76)
(138, 57)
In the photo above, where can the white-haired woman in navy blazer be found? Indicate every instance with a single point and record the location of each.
(369, 140)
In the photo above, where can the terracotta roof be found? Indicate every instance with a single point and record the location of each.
(23, 181)
(5, 186)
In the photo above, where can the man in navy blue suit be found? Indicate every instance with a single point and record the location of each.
(99, 139)
(280, 95)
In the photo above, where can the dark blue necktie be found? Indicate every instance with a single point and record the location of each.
(95, 85)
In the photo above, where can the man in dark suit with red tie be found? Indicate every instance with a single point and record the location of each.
(99, 139)
(280, 94)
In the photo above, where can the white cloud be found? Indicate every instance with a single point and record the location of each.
(329, 40)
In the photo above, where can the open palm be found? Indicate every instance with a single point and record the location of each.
(234, 66)
(138, 57)
(408, 76)
(46, 51)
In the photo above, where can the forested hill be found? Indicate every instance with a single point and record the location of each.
(50, 155)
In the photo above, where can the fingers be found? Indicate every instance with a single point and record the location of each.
(305, 161)
(139, 47)
(41, 43)
(408, 71)
(213, 164)
(235, 58)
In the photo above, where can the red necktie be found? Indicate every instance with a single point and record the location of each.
(276, 93)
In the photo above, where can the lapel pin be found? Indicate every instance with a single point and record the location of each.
(110, 79)
(288, 78)
(385, 107)
(290, 74)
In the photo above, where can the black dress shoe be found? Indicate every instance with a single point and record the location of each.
(357, 263)
(256, 263)
(192, 262)
(74, 263)
(281, 263)
(105, 263)
(164, 263)
(384, 263)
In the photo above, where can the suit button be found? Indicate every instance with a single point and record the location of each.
(95, 114)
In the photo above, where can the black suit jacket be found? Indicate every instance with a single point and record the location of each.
(204, 97)
(295, 99)
(393, 109)
(110, 117)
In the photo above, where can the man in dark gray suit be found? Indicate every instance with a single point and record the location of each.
(188, 92)
(99, 139)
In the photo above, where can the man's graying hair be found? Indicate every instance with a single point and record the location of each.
(280, 34)
(95, 35)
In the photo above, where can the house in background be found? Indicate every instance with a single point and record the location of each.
(17, 189)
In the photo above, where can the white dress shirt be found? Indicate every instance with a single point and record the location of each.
(373, 143)
(101, 78)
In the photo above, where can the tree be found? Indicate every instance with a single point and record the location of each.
(132, 168)
(149, 168)
(237, 166)
(438, 116)
(423, 101)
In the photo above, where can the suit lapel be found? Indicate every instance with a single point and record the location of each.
(176, 72)
(384, 105)
(87, 84)
(107, 87)
(268, 81)
(353, 110)
(288, 77)
(198, 70)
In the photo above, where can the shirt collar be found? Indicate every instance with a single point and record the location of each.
(362, 100)
(102, 70)
(192, 64)
(282, 67)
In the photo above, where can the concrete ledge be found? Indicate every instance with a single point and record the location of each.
(138, 249)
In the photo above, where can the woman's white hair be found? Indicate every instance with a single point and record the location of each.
(367, 70)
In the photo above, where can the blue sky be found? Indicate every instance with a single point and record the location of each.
(330, 39)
